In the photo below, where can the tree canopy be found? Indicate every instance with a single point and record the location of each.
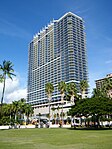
(12, 113)
(49, 88)
(92, 106)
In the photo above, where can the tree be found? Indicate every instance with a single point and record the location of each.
(58, 115)
(28, 110)
(12, 112)
(98, 93)
(97, 106)
(72, 91)
(107, 86)
(83, 87)
(7, 114)
(104, 90)
(1, 78)
(7, 71)
(49, 88)
(15, 105)
(53, 109)
(62, 89)
(22, 106)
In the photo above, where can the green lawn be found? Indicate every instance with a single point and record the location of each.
(55, 139)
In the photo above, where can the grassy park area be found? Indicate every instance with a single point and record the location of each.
(55, 139)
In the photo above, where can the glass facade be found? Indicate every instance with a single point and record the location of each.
(57, 53)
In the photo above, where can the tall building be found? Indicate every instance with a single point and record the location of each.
(56, 53)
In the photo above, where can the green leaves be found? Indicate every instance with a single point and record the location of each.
(107, 85)
(83, 85)
(1, 78)
(49, 88)
(7, 70)
(104, 90)
(71, 89)
(15, 110)
(92, 106)
(62, 87)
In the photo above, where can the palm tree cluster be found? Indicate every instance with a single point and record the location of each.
(57, 114)
(17, 112)
(67, 89)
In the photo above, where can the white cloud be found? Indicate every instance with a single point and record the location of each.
(13, 90)
(16, 95)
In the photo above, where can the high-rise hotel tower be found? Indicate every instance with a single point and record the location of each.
(56, 53)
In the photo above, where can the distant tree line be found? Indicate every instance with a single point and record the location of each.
(11, 113)
(16, 112)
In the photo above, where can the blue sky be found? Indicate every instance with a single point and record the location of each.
(20, 20)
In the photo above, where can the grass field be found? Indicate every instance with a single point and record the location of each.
(55, 139)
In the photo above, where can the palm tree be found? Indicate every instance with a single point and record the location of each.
(28, 110)
(62, 89)
(49, 88)
(98, 93)
(9, 110)
(15, 105)
(83, 87)
(1, 78)
(22, 106)
(7, 71)
(58, 115)
(72, 91)
(107, 86)
(53, 109)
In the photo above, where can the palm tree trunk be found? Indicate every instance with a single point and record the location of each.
(62, 100)
(15, 116)
(49, 112)
(72, 99)
(62, 114)
(2, 94)
(3, 91)
(83, 94)
(62, 97)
